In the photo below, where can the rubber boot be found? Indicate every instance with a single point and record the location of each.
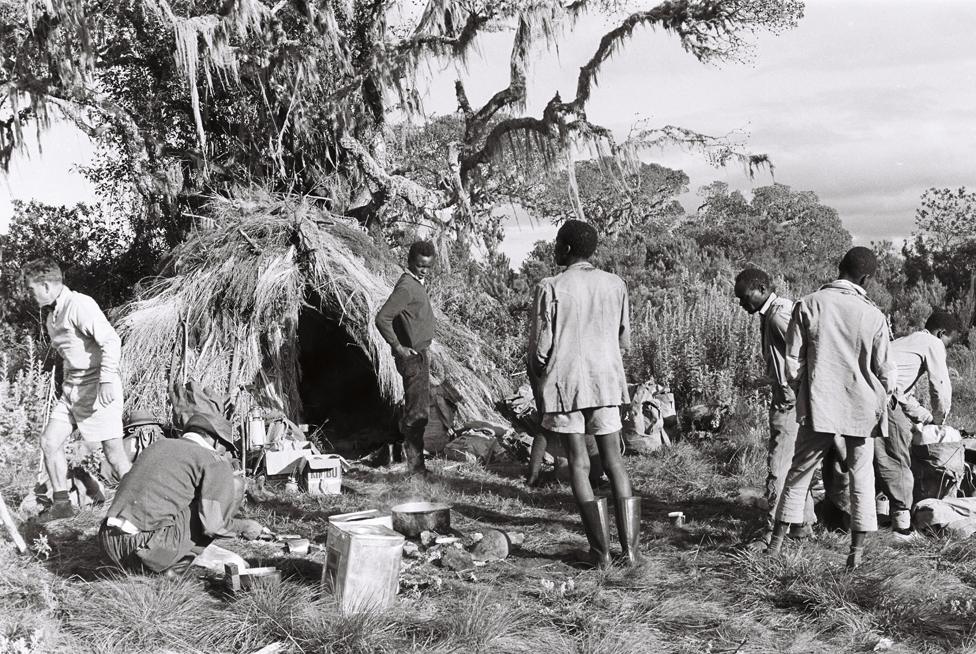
(628, 528)
(596, 524)
(413, 450)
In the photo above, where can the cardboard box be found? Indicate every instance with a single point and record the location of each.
(288, 459)
(321, 474)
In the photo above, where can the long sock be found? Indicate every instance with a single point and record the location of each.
(61, 496)
(857, 539)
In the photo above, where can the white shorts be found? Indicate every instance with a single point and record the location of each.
(79, 407)
(597, 421)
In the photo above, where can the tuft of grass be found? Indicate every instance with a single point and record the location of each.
(126, 613)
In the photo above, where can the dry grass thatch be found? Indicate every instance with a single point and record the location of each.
(228, 314)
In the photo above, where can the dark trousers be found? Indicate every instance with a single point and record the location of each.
(415, 371)
(152, 551)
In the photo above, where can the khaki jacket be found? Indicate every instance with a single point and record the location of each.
(579, 326)
(837, 358)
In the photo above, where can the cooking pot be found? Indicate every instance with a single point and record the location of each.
(412, 518)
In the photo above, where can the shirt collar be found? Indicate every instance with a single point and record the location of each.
(193, 437)
(769, 303)
(410, 272)
(580, 264)
(60, 299)
(845, 284)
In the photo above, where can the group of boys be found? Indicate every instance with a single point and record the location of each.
(838, 380)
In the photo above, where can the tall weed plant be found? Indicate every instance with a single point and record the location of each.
(703, 345)
(24, 400)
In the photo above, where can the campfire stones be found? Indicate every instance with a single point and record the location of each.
(456, 559)
(411, 550)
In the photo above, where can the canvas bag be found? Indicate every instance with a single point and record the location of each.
(190, 398)
(938, 462)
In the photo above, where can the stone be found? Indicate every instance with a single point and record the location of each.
(515, 538)
(446, 540)
(469, 540)
(428, 538)
(456, 560)
(411, 550)
(493, 547)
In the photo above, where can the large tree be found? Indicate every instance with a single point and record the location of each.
(789, 233)
(943, 246)
(199, 96)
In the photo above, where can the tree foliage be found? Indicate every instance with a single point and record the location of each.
(199, 96)
(943, 246)
(788, 233)
(99, 254)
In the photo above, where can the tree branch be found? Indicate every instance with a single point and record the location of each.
(416, 195)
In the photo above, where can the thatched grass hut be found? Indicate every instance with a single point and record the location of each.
(273, 303)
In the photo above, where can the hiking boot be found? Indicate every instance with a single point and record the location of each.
(800, 532)
(60, 510)
(901, 521)
(905, 537)
(854, 558)
(628, 528)
(178, 569)
(596, 524)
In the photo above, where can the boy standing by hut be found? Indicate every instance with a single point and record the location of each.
(91, 393)
(754, 290)
(580, 325)
(921, 352)
(406, 322)
(837, 358)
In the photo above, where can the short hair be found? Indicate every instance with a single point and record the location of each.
(421, 249)
(43, 269)
(943, 320)
(859, 262)
(752, 278)
(579, 236)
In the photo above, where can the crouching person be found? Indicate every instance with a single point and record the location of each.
(579, 326)
(180, 495)
(914, 355)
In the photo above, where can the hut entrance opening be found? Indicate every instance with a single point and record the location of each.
(338, 387)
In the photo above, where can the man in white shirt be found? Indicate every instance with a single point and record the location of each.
(91, 392)
(921, 352)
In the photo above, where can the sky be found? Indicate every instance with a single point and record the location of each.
(867, 103)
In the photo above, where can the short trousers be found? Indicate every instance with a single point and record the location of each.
(597, 421)
(79, 407)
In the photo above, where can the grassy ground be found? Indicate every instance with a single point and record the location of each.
(699, 589)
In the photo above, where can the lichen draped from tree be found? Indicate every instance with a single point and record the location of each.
(297, 96)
